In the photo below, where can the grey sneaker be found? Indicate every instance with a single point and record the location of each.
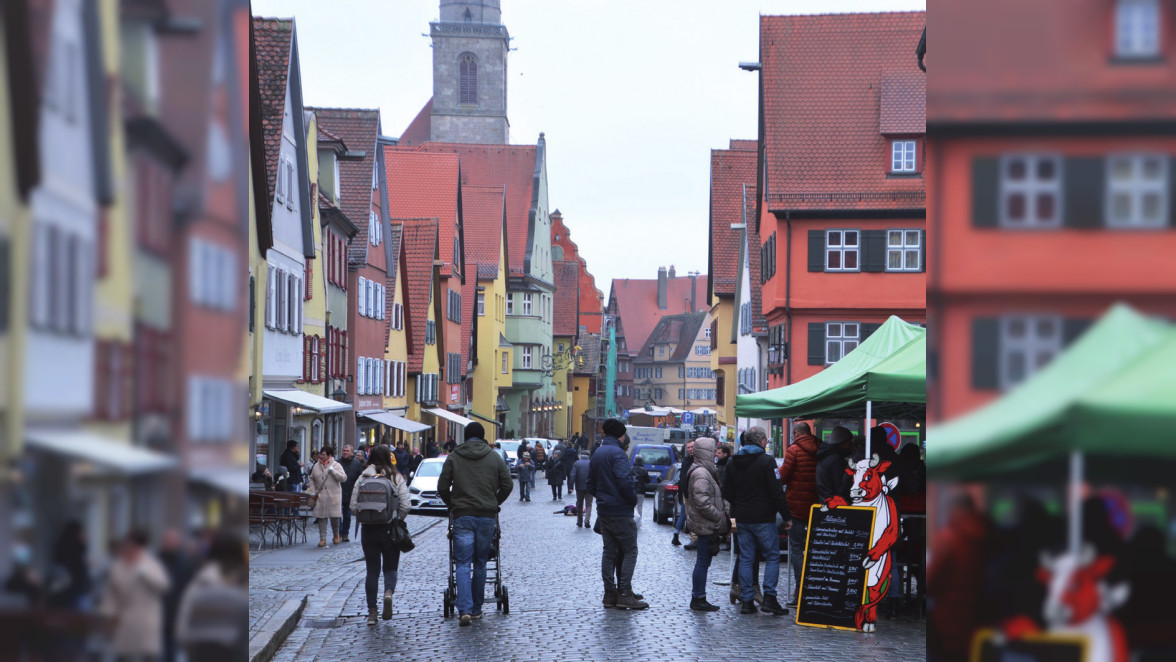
(464, 620)
(371, 617)
(387, 615)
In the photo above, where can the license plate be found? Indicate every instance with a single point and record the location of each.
(435, 502)
(654, 476)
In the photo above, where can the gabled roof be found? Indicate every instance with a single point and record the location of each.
(421, 128)
(904, 103)
(420, 245)
(821, 96)
(744, 145)
(637, 304)
(1052, 61)
(730, 171)
(274, 39)
(511, 167)
(758, 322)
(425, 185)
(567, 297)
(678, 330)
(358, 128)
(394, 239)
(482, 213)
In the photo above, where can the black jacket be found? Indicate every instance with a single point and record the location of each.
(289, 460)
(569, 457)
(831, 477)
(687, 462)
(754, 490)
(610, 480)
(352, 468)
(555, 470)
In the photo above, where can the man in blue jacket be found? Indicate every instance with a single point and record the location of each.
(610, 482)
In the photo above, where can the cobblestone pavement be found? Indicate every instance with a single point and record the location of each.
(552, 571)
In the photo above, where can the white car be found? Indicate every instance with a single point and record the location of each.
(511, 448)
(423, 488)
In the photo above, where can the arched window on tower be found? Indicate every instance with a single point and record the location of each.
(469, 80)
(469, 17)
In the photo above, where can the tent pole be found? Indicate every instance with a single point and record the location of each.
(866, 427)
(1076, 472)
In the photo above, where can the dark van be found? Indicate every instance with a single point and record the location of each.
(658, 459)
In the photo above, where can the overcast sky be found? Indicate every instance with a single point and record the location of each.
(631, 94)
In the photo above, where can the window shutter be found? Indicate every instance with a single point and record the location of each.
(922, 250)
(309, 279)
(816, 342)
(298, 305)
(1172, 192)
(866, 330)
(816, 254)
(283, 308)
(873, 250)
(1083, 186)
(985, 352)
(306, 358)
(360, 295)
(985, 191)
(359, 383)
(1073, 327)
(252, 305)
(270, 297)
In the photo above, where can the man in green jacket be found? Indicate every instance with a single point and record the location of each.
(474, 482)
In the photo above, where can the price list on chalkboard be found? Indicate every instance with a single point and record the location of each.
(833, 582)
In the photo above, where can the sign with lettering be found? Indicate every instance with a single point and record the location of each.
(1031, 648)
(833, 580)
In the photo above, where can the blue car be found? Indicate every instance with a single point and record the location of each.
(658, 459)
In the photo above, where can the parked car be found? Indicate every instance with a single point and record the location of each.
(423, 487)
(665, 498)
(658, 458)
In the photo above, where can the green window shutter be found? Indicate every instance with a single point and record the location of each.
(816, 343)
(985, 191)
(816, 252)
(1084, 182)
(985, 352)
(873, 250)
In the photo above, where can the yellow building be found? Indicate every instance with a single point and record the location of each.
(423, 334)
(493, 364)
(724, 361)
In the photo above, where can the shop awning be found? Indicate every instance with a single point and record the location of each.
(299, 398)
(398, 422)
(86, 446)
(456, 418)
(229, 480)
(489, 420)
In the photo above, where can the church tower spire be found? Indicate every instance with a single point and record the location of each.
(470, 46)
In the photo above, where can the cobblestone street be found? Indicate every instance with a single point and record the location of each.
(552, 571)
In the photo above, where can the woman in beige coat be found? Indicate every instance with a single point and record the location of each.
(133, 596)
(326, 481)
(704, 515)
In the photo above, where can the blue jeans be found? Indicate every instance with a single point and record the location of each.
(524, 489)
(701, 566)
(472, 538)
(681, 523)
(764, 537)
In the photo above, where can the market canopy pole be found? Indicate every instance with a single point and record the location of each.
(866, 427)
(1076, 472)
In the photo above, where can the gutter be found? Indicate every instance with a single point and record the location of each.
(788, 295)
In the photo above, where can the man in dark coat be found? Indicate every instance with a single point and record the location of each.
(799, 475)
(352, 466)
(831, 465)
(432, 450)
(290, 460)
(610, 482)
(569, 458)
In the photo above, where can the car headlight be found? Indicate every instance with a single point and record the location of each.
(414, 490)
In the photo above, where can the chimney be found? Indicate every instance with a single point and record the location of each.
(672, 272)
(661, 288)
(693, 292)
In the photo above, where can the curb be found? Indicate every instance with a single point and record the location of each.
(265, 644)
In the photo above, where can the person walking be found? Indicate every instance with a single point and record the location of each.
(680, 523)
(610, 482)
(213, 620)
(352, 467)
(133, 595)
(326, 481)
(555, 474)
(705, 514)
(291, 460)
(378, 550)
(540, 458)
(831, 478)
(579, 480)
(799, 475)
(474, 482)
(526, 471)
(569, 458)
(752, 487)
(432, 450)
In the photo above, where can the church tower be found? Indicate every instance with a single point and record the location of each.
(470, 45)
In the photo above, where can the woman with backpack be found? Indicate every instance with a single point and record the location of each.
(375, 538)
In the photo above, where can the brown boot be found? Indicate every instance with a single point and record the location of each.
(626, 600)
(338, 540)
(322, 543)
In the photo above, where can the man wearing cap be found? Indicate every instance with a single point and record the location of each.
(610, 482)
(474, 482)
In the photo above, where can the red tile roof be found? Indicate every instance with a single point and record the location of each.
(509, 166)
(422, 185)
(591, 298)
(567, 297)
(744, 145)
(904, 103)
(394, 238)
(327, 136)
(359, 128)
(758, 322)
(482, 209)
(421, 128)
(420, 246)
(730, 171)
(822, 80)
(1048, 60)
(273, 38)
(637, 304)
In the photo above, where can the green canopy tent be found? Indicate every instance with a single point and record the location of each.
(885, 376)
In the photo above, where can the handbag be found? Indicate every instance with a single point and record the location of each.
(398, 532)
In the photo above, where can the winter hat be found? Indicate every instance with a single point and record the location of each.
(614, 428)
(840, 435)
(475, 431)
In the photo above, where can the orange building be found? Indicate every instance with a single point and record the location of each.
(1052, 168)
(841, 223)
(591, 299)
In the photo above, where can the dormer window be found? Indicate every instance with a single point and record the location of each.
(902, 156)
(1137, 28)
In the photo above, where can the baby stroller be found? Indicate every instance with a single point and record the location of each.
(493, 569)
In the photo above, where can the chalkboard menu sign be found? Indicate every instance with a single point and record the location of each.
(1032, 648)
(833, 581)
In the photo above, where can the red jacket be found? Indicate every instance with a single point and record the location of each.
(799, 474)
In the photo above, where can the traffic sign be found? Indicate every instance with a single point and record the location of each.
(688, 418)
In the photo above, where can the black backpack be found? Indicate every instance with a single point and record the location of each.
(377, 501)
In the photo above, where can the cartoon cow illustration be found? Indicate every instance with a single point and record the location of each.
(1079, 601)
(870, 490)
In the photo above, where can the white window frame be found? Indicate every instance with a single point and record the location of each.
(845, 341)
(902, 156)
(903, 248)
(361, 296)
(1031, 187)
(1135, 188)
(505, 363)
(510, 304)
(1138, 28)
(843, 249)
(702, 350)
(1030, 344)
(528, 303)
(481, 304)
(528, 357)
(360, 384)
